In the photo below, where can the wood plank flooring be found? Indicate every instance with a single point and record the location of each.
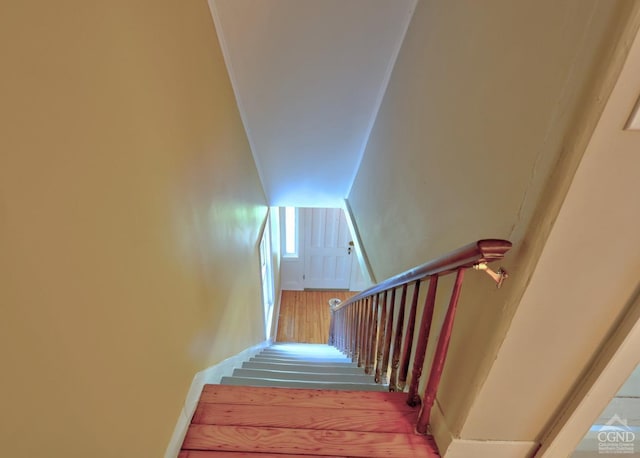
(305, 316)
(237, 421)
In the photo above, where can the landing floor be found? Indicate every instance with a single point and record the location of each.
(305, 316)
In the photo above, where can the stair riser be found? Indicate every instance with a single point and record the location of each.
(332, 354)
(346, 363)
(303, 376)
(323, 351)
(246, 381)
(303, 366)
(334, 369)
(303, 355)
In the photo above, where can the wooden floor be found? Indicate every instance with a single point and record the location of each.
(304, 315)
(238, 421)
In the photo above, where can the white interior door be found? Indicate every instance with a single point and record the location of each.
(328, 249)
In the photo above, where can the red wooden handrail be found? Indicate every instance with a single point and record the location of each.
(486, 250)
(363, 326)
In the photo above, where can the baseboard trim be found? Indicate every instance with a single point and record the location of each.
(439, 428)
(464, 448)
(455, 447)
(211, 375)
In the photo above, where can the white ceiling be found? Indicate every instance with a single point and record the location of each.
(309, 78)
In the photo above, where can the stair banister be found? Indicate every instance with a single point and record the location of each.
(363, 326)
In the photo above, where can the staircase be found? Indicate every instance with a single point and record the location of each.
(303, 400)
(310, 366)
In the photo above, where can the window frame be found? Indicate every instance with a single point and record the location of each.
(285, 233)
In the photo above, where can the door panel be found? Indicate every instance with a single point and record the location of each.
(328, 255)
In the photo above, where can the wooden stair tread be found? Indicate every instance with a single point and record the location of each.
(295, 397)
(306, 441)
(326, 375)
(306, 418)
(240, 421)
(217, 454)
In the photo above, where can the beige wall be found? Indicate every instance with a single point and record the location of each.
(485, 118)
(129, 215)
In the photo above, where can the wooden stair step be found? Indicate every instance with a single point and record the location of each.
(333, 399)
(306, 441)
(326, 376)
(303, 355)
(268, 382)
(339, 358)
(320, 361)
(305, 418)
(218, 454)
(340, 369)
(252, 422)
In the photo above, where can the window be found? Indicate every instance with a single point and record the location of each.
(290, 237)
(266, 275)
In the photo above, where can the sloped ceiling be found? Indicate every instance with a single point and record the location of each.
(309, 78)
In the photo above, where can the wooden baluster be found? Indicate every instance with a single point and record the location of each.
(333, 339)
(334, 332)
(370, 310)
(356, 327)
(423, 338)
(388, 335)
(440, 356)
(381, 337)
(356, 322)
(343, 323)
(342, 314)
(362, 339)
(373, 334)
(365, 332)
(362, 362)
(408, 340)
(341, 330)
(332, 328)
(347, 330)
(340, 335)
(397, 343)
(345, 336)
(354, 330)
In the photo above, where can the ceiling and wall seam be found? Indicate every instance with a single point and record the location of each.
(383, 91)
(227, 60)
